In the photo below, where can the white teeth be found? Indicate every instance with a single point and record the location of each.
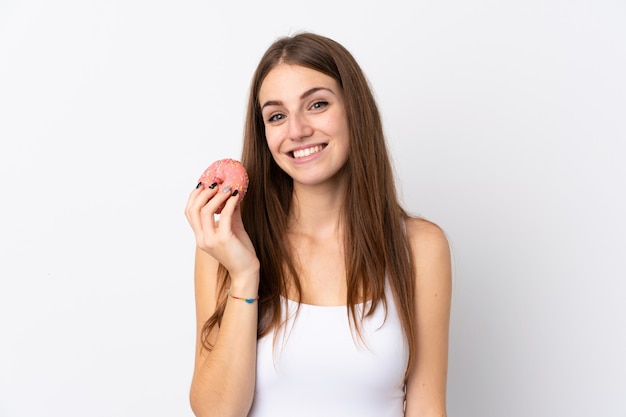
(301, 153)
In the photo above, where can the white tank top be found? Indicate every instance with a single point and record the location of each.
(317, 368)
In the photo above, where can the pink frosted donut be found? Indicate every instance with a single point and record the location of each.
(227, 172)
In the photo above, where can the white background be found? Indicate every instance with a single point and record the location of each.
(506, 120)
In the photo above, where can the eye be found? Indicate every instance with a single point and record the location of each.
(276, 117)
(318, 105)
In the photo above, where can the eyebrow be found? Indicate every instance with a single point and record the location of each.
(302, 96)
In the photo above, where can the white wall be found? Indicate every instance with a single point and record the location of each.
(507, 124)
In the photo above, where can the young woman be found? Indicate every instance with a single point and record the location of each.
(353, 304)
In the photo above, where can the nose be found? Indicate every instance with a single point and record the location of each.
(299, 127)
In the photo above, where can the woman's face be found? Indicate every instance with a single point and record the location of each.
(305, 123)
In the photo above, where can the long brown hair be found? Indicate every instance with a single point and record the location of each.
(376, 245)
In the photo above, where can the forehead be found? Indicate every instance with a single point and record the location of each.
(287, 80)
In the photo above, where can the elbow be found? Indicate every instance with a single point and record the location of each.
(204, 405)
(196, 406)
(201, 405)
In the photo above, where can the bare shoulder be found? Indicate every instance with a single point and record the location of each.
(430, 252)
(426, 238)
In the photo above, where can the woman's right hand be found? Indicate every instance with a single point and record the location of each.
(226, 240)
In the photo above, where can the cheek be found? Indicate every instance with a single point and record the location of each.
(340, 130)
(338, 124)
(272, 141)
(276, 135)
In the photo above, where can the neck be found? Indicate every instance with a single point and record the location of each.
(316, 210)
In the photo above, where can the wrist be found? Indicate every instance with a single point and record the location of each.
(247, 272)
(245, 284)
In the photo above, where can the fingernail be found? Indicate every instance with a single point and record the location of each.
(212, 186)
(199, 184)
(226, 189)
(235, 193)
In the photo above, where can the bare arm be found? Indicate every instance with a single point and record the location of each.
(224, 377)
(426, 386)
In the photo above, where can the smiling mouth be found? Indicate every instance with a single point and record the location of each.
(301, 153)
